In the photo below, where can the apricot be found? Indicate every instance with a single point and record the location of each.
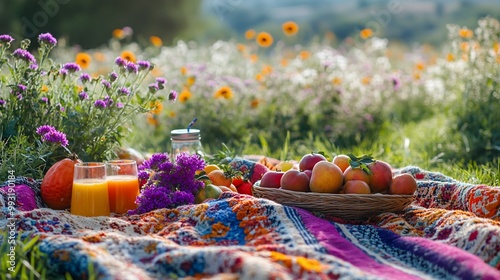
(356, 187)
(352, 173)
(342, 161)
(404, 184)
(326, 177)
(380, 177)
(295, 180)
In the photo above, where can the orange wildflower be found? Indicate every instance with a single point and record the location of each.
(464, 46)
(83, 59)
(241, 47)
(224, 92)
(465, 33)
(420, 66)
(184, 96)
(450, 57)
(255, 103)
(45, 88)
(99, 56)
(366, 33)
(337, 81)
(250, 34)
(259, 77)
(267, 69)
(118, 33)
(156, 107)
(152, 120)
(128, 55)
(366, 80)
(284, 62)
(156, 41)
(191, 80)
(304, 55)
(184, 70)
(171, 114)
(290, 28)
(264, 39)
(254, 58)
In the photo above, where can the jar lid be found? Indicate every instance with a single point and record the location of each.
(183, 134)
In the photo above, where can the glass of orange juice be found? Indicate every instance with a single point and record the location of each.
(89, 196)
(123, 185)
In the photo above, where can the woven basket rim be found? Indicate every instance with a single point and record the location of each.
(345, 206)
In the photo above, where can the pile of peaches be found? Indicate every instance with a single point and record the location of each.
(345, 174)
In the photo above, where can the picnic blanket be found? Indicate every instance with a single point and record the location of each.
(451, 231)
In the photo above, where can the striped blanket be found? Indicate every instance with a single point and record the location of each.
(451, 231)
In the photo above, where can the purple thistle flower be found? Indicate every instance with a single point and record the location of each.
(71, 67)
(63, 71)
(47, 38)
(83, 95)
(19, 96)
(55, 137)
(2, 102)
(396, 82)
(6, 39)
(100, 103)
(61, 108)
(113, 76)
(124, 91)
(172, 95)
(119, 105)
(44, 129)
(106, 84)
(143, 65)
(84, 77)
(153, 88)
(120, 61)
(44, 99)
(161, 81)
(108, 100)
(33, 66)
(21, 87)
(24, 55)
(132, 67)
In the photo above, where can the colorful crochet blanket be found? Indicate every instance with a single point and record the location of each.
(451, 231)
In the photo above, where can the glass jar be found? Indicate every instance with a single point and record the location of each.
(183, 140)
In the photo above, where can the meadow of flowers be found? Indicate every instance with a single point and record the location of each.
(269, 94)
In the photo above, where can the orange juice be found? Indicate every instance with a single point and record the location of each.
(89, 198)
(122, 192)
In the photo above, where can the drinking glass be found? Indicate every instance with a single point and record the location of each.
(89, 196)
(123, 185)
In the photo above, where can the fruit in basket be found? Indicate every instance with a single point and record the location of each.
(404, 184)
(57, 184)
(326, 177)
(342, 161)
(356, 187)
(210, 167)
(283, 166)
(308, 161)
(380, 176)
(208, 191)
(355, 173)
(271, 179)
(295, 180)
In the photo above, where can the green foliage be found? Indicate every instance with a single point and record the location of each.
(21, 258)
(36, 92)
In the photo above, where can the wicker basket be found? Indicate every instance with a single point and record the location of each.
(344, 206)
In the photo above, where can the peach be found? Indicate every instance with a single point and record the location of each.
(308, 161)
(356, 187)
(352, 173)
(342, 161)
(404, 184)
(271, 179)
(326, 177)
(380, 177)
(295, 180)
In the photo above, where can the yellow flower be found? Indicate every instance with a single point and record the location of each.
(241, 47)
(259, 77)
(366, 33)
(155, 41)
(156, 107)
(224, 92)
(337, 81)
(264, 39)
(45, 88)
(184, 96)
(191, 80)
(250, 34)
(128, 55)
(83, 59)
(290, 28)
(118, 33)
(366, 80)
(450, 57)
(304, 55)
(152, 120)
(184, 70)
(420, 66)
(254, 58)
(465, 33)
(255, 103)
